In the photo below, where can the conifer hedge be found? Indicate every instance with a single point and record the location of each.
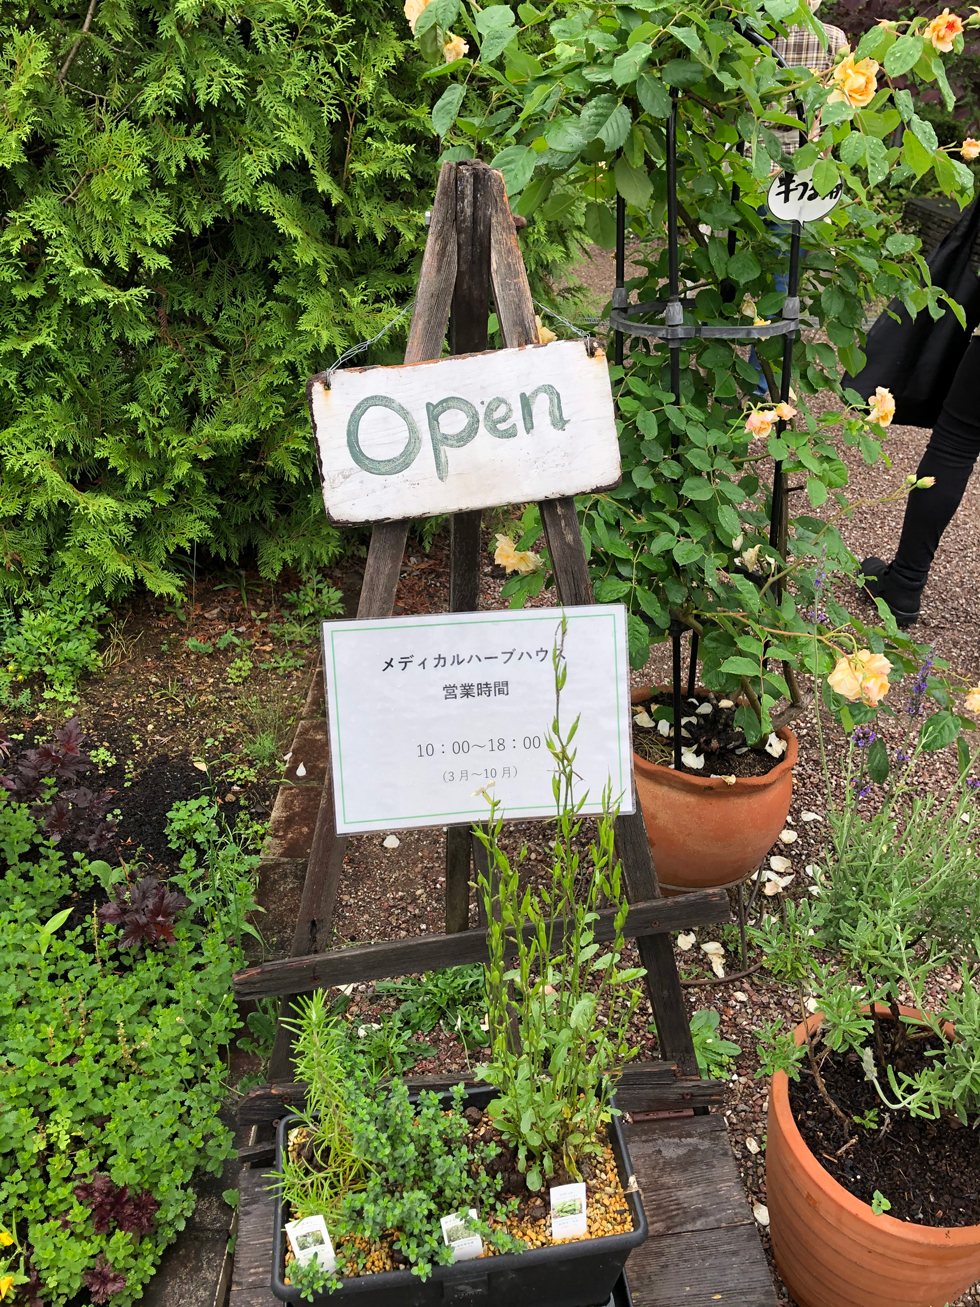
(201, 204)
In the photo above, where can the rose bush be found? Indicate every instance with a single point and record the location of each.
(572, 102)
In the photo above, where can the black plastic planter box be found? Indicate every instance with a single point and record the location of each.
(579, 1274)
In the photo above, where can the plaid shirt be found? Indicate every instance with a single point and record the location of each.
(801, 49)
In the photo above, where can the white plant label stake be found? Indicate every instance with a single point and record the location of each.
(792, 197)
(569, 1215)
(461, 1237)
(430, 715)
(509, 426)
(310, 1240)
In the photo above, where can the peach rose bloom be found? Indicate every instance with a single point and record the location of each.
(881, 407)
(972, 701)
(512, 559)
(454, 48)
(944, 30)
(545, 334)
(785, 412)
(413, 11)
(874, 676)
(845, 679)
(856, 83)
(970, 148)
(760, 424)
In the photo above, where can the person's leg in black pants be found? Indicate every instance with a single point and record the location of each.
(949, 457)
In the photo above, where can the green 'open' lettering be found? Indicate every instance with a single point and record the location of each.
(382, 467)
(442, 440)
(558, 419)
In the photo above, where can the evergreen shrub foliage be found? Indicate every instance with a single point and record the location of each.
(201, 208)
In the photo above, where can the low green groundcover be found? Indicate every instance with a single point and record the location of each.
(111, 1075)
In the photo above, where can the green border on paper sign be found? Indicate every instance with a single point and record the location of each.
(400, 624)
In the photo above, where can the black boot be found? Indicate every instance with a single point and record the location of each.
(881, 583)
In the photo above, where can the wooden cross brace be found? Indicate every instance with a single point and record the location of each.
(472, 248)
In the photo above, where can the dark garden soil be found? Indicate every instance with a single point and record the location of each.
(707, 727)
(928, 1170)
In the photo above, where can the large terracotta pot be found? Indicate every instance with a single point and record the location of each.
(831, 1249)
(704, 832)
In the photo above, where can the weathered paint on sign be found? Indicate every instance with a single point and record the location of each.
(475, 431)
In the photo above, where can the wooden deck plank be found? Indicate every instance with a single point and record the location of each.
(704, 1268)
(687, 1173)
(253, 1246)
(703, 1247)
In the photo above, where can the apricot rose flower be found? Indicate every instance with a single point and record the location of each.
(882, 407)
(759, 422)
(863, 676)
(454, 48)
(413, 11)
(972, 701)
(970, 148)
(944, 30)
(855, 82)
(512, 559)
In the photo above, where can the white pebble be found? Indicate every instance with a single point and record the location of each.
(391, 842)
(761, 1213)
(752, 1145)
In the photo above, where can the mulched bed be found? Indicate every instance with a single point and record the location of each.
(928, 1170)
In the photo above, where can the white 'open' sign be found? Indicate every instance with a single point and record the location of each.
(474, 431)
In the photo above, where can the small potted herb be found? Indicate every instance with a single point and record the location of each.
(517, 1190)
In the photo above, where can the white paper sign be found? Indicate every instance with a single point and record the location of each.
(461, 1238)
(569, 1218)
(510, 426)
(309, 1239)
(793, 197)
(424, 712)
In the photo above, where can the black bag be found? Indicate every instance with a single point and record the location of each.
(916, 358)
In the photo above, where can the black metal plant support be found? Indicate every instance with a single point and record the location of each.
(675, 331)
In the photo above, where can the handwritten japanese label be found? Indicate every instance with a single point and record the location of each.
(794, 198)
(504, 427)
(413, 746)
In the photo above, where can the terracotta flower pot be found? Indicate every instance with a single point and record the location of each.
(831, 1249)
(705, 832)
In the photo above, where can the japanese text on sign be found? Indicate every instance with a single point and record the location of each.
(412, 747)
(793, 197)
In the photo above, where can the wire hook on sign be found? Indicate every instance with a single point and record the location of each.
(354, 350)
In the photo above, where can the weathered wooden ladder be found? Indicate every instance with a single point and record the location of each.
(472, 247)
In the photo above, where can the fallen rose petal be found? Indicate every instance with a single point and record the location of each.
(779, 864)
(776, 747)
(788, 836)
(761, 1213)
(644, 719)
(713, 947)
(300, 769)
(729, 780)
(685, 942)
(810, 816)
(663, 726)
(201, 766)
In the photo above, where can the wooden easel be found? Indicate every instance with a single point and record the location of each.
(472, 246)
(702, 1235)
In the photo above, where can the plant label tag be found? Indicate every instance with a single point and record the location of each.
(792, 197)
(507, 426)
(310, 1240)
(461, 1237)
(430, 715)
(569, 1218)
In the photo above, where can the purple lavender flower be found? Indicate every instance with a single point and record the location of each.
(902, 756)
(972, 783)
(819, 579)
(919, 686)
(863, 791)
(863, 736)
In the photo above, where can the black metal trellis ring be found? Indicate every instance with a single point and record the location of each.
(624, 319)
